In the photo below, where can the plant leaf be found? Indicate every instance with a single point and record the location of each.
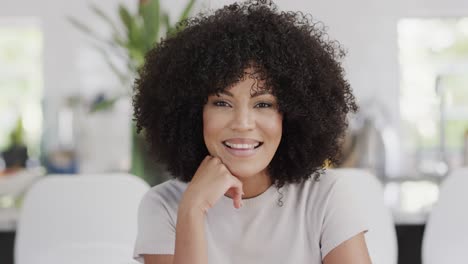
(187, 10)
(166, 22)
(104, 104)
(106, 18)
(119, 40)
(150, 13)
(138, 56)
(88, 31)
(126, 18)
(105, 54)
(134, 34)
(85, 29)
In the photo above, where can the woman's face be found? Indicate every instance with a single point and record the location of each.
(243, 127)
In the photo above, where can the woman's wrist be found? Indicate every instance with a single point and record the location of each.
(190, 235)
(192, 208)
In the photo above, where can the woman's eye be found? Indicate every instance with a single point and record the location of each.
(263, 105)
(220, 103)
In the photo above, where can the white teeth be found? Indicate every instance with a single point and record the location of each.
(242, 146)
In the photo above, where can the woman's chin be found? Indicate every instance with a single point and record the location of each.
(243, 174)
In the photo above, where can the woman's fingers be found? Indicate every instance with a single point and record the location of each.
(235, 185)
(212, 180)
(236, 192)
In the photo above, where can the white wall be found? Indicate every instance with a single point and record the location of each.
(366, 28)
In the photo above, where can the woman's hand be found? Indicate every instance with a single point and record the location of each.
(211, 180)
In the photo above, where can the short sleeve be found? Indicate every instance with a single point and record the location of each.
(156, 227)
(345, 214)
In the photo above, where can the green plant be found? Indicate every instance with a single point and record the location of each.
(130, 39)
(17, 134)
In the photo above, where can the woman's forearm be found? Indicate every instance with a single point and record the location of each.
(190, 246)
(211, 181)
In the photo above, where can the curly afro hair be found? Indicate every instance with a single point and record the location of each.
(290, 54)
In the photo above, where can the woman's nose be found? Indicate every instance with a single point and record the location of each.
(243, 120)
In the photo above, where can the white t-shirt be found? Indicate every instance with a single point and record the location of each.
(315, 217)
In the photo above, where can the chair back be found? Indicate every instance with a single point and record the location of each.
(79, 219)
(445, 237)
(381, 237)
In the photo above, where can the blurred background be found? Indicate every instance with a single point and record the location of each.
(66, 71)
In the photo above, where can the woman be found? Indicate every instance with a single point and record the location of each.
(245, 106)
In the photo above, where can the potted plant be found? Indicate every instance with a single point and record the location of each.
(130, 40)
(15, 155)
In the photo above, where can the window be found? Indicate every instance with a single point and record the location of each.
(434, 92)
(21, 82)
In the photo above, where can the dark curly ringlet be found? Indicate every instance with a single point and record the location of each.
(289, 53)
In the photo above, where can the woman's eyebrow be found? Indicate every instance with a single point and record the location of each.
(227, 93)
(262, 92)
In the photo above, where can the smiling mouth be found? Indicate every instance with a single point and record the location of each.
(242, 146)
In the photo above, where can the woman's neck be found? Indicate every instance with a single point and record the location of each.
(255, 185)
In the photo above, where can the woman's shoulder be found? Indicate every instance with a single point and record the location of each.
(329, 182)
(323, 180)
(168, 192)
(331, 177)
